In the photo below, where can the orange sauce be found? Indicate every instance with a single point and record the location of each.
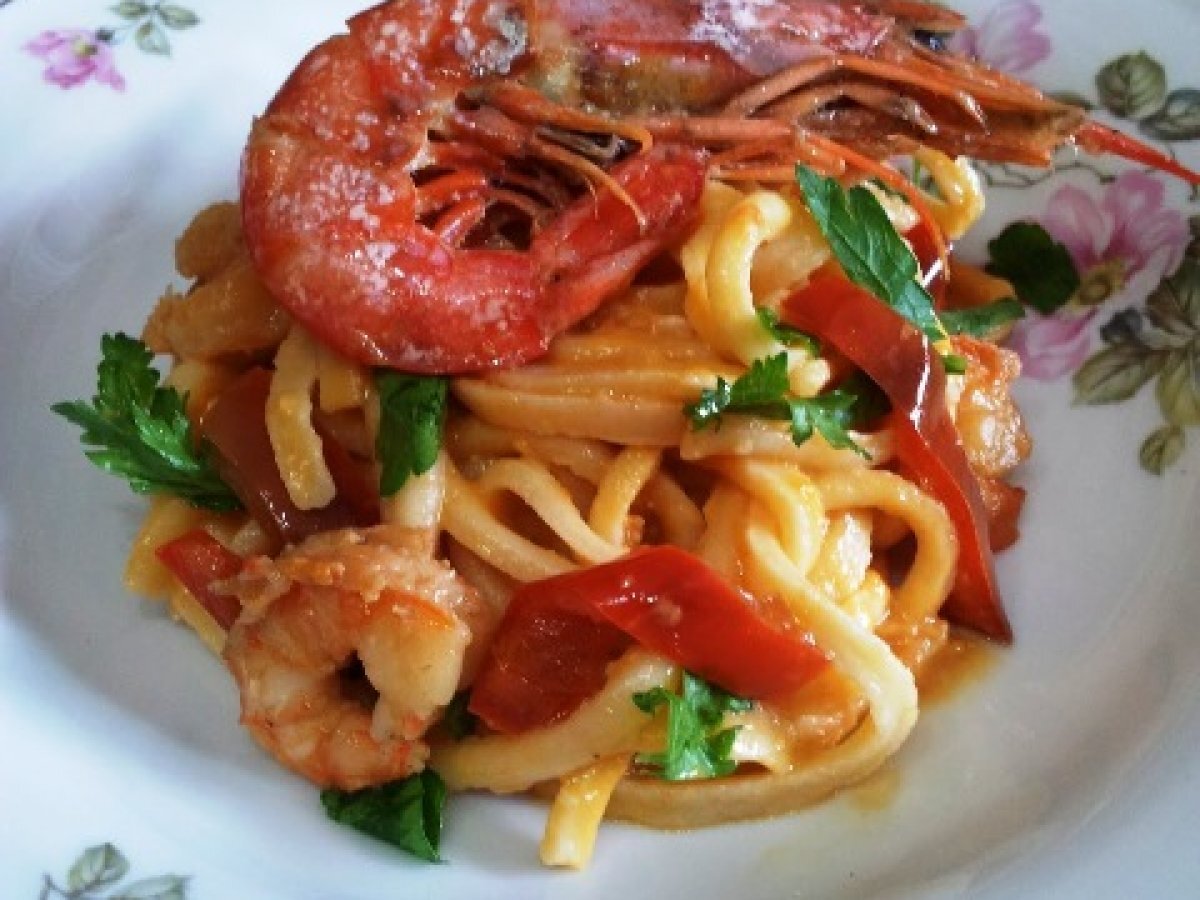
(961, 662)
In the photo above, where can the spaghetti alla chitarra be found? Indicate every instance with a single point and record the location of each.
(837, 558)
(572, 449)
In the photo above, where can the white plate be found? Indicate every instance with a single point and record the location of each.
(1069, 768)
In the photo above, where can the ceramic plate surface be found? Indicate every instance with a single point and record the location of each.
(1068, 768)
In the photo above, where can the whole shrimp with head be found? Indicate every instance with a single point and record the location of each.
(454, 182)
(348, 647)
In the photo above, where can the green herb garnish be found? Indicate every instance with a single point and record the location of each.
(1039, 268)
(412, 410)
(870, 251)
(406, 813)
(981, 321)
(695, 747)
(786, 334)
(141, 431)
(764, 391)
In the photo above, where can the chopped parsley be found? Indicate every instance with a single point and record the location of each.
(412, 410)
(141, 432)
(870, 251)
(1039, 268)
(696, 746)
(763, 390)
(406, 814)
(786, 334)
(981, 321)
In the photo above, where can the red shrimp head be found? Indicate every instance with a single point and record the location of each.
(372, 189)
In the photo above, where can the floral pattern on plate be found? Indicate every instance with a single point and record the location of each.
(1113, 343)
(1111, 238)
(75, 56)
(1120, 233)
(97, 874)
(1008, 37)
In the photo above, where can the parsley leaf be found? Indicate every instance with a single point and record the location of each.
(830, 414)
(870, 251)
(980, 321)
(1040, 268)
(695, 748)
(412, 411)
(141, 431)
(763, 391)
(786, 334)
(405, 813)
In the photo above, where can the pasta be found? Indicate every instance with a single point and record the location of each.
(569, 411)
(575, 460)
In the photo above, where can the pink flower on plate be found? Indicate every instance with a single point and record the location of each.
(1052, 346)
(75, 55)
(1127, 233)
(1006, 38)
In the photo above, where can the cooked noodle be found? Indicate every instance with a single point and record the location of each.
(577, 458)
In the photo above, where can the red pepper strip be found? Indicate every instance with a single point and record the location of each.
(1096, 138)
(558, 636)
(900, 359)
(355, 482)
(236, 426)
(927, 245)
(198, 560)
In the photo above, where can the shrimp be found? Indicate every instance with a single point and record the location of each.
(449, 185)
(992, 432)
(364, 180)
(347, 648)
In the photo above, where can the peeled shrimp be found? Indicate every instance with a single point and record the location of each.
(348, 647)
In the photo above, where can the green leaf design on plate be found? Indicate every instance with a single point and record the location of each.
(1178, 120)
(1116, 373)
(152, 39)
(1178, 388)
(1125, 327)
(165, 887)
(96, 867)
(1132, 85)
(1161, 343)
(177, 17)
(101, 867)
(1174, 306)
(1162, 449)
(131, 9)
